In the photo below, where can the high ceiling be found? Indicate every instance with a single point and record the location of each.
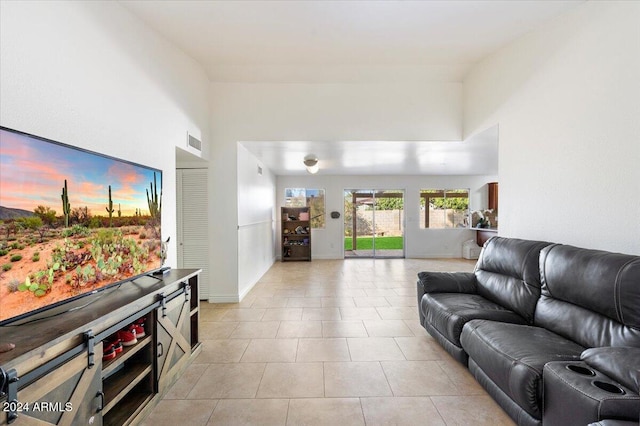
(297, 40)
(348, 41)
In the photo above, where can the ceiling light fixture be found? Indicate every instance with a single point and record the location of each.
(311, 163)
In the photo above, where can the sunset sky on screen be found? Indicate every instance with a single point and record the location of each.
(32, 173)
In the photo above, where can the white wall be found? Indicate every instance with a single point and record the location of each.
(258, 112)
(567, 98)
(337, 111)
(90, 74)
(256, 223)
(419, 243)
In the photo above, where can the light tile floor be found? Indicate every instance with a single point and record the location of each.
(323, 343)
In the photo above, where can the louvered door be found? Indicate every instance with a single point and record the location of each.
(193, 224)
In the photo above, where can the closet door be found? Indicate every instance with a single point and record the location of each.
(192, 200)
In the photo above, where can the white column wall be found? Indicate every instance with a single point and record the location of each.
(256, 223)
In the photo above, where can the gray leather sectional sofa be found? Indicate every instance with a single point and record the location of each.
(551, 331)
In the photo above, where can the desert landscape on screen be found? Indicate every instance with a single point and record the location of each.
(71, 222)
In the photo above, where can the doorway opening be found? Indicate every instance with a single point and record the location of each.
(373, 223)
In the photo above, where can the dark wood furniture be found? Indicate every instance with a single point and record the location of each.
(483, 234)
(295, 233)
(55, 374)
(493, 195)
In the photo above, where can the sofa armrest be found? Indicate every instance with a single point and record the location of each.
(446, 282)
(621, 364)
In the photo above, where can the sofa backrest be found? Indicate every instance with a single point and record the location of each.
(590, 296)
(508, 274)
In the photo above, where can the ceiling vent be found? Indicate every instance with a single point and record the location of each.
(194, 143)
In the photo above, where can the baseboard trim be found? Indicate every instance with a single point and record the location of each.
(237, 298)
(435, 256)
(249, 288)
(422, 256)
(224, 299)
(316, 257)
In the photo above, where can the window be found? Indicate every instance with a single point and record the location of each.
(303, 197)
(444, 208)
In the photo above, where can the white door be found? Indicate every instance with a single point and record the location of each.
(192, 200)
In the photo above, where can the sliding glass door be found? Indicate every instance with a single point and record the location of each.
(373, 223)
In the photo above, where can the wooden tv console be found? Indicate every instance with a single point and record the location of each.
(55, 375)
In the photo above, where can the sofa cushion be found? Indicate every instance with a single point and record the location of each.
(621, 364)
(513, 357)
(590, 296)
(449, 312)
(454, 350)
(508, 273)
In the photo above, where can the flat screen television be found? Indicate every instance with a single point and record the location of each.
(72, 223)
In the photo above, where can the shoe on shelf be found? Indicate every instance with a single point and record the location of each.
(127, 337)
(141, 322)
(115, 341)
(108, 352)
(138, 329)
